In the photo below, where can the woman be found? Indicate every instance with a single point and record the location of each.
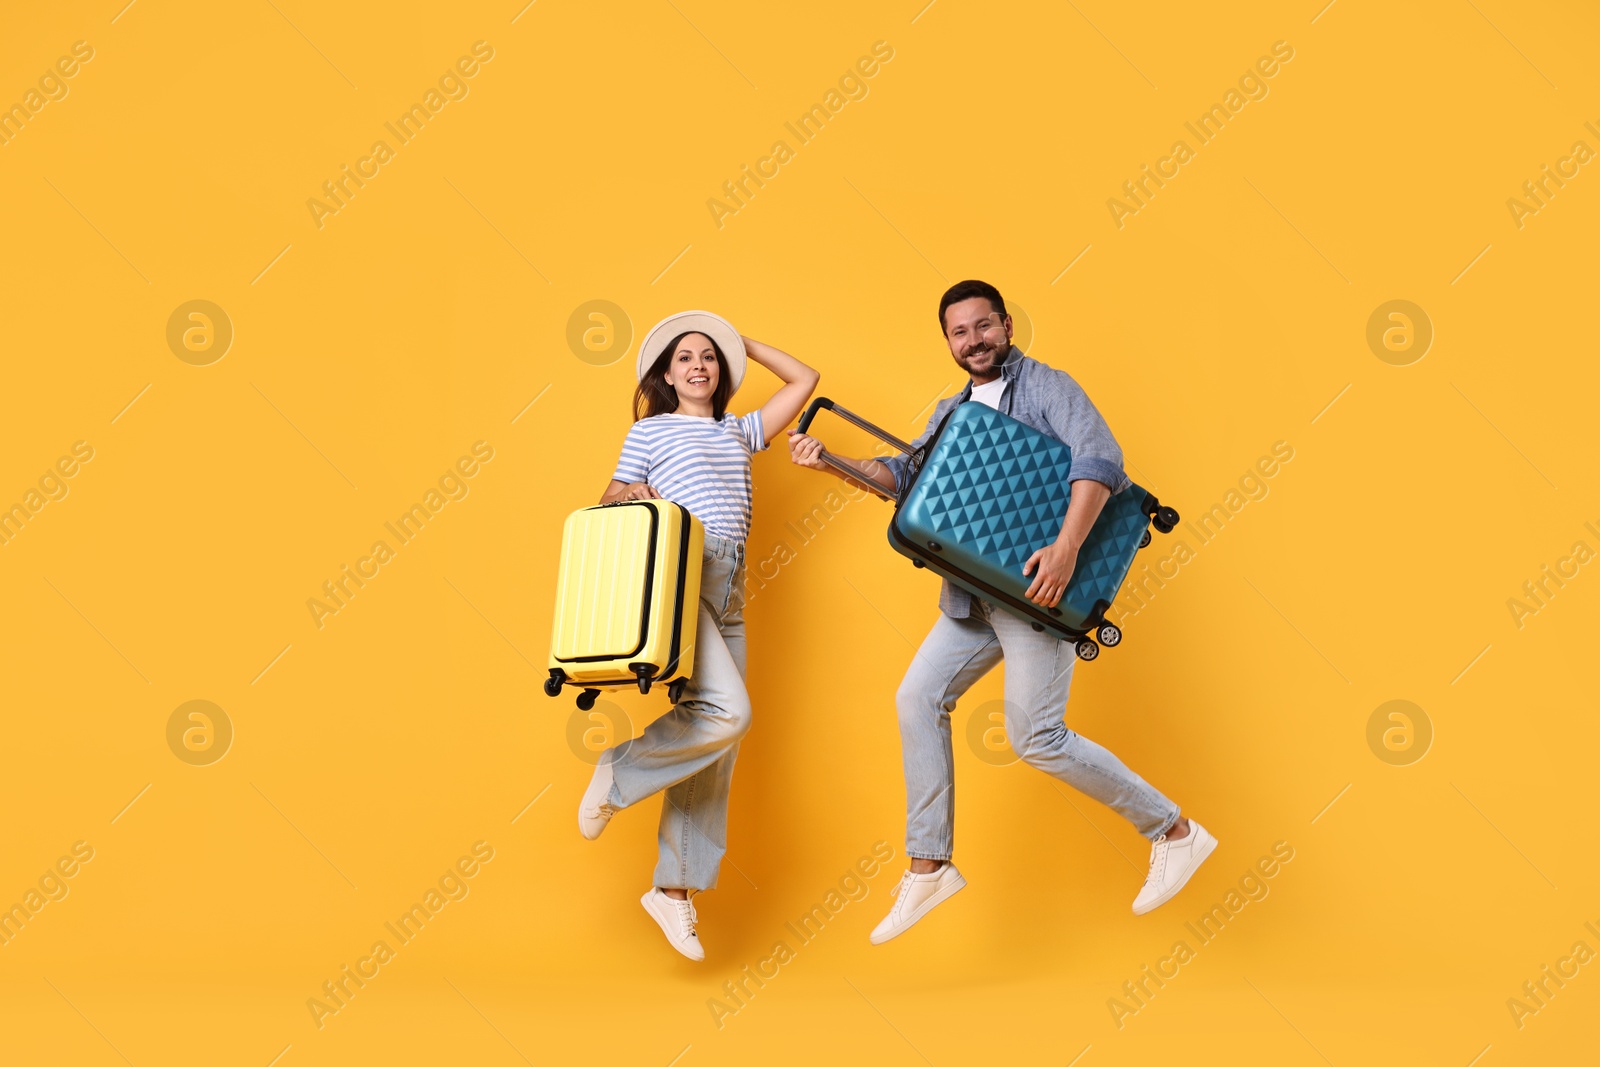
(686, 447)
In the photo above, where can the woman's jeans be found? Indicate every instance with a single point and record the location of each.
(956, 653)
(689, 751)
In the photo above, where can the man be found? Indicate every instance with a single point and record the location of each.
(972, 634)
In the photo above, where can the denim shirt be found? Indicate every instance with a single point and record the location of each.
(1050, 401)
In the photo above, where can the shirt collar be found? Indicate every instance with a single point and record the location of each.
(1008, 372)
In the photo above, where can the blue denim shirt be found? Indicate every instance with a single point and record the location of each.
(1050, 401)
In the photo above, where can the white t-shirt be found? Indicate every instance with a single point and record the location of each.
(990, 392)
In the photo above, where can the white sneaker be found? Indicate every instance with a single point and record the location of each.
(676, 919)
(1172, 864)
(915, 896)
(596, 809)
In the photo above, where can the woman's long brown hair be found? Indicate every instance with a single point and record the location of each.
(655, 397)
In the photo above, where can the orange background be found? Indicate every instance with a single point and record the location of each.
(431, 312)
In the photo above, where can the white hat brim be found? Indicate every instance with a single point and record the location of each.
(713, 326)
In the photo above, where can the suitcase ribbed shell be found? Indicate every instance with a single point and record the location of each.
(628, 593)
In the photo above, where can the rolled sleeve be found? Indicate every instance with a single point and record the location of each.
(1107, 472)
(896, 465)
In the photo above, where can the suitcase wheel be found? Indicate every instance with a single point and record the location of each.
(643, 671)
(675, 690)
(1166, 519)
(586, 699)
(552, 684)
(1145, 540)
(1109, 635)
(1086, 649)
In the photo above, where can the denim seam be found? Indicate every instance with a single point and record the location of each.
(683, 844)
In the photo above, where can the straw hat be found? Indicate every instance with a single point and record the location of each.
(715, 327)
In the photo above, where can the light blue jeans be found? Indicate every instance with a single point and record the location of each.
(689, 751)
(956, 653)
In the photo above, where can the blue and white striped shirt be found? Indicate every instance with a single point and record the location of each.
(698, 462)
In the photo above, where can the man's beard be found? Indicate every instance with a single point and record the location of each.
(993, 352)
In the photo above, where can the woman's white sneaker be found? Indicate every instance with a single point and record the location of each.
(915, 896)
(1172, 864)
(676, 919)
(596, 809)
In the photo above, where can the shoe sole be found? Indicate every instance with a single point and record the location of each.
(643, 902)
(928, 905)
(1205, 849)
(598, 828)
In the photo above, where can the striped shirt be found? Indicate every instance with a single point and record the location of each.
(698, 462)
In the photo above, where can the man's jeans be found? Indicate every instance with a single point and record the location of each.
(956, 653)
(689, 751)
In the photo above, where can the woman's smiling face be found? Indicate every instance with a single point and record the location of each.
(693, 369)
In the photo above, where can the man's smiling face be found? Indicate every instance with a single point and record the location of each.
(979, 337)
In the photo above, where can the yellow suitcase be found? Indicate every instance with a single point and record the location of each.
(627, 599)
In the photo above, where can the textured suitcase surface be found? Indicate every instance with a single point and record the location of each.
(991, 491)
(627, 570)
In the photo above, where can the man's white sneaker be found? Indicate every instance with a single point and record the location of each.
(676, 919)
(596, 809)
(1172, 864)
(915, 896)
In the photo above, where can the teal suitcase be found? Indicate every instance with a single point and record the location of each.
(985, 492)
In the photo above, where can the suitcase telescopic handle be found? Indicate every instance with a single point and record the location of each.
(822, 403)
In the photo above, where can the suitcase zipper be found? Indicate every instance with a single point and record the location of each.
(677, 619)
